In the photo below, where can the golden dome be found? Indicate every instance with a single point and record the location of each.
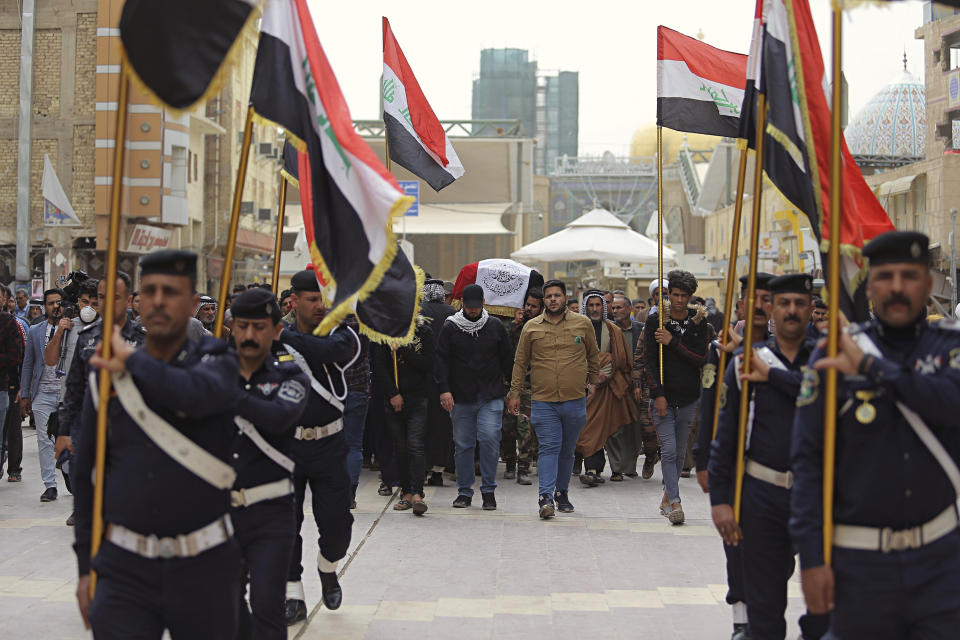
(644, 142)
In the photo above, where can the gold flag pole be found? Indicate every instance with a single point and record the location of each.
(660, 239)
(113, 240)
(234, 223)
(386, 156)
(278, 246)
(731, 284)
(833, 290)
(749, 301)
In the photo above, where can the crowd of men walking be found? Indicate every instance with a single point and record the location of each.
(244, 425)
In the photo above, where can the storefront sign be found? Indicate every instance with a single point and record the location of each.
(147, 239)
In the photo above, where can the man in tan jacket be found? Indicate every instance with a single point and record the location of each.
(560, 349)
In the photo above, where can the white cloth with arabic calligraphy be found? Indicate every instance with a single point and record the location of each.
(504, 282)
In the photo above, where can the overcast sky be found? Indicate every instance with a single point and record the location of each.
(611, 43)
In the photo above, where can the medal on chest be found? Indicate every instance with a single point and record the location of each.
(866, 412)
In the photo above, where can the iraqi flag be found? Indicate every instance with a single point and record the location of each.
(415, 137)
(797, 145)
(347, 195)
(699, 87)
(176, 48)
(388, 314)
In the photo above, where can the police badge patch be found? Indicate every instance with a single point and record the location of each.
(809, 388)
(955, 358)
(292, 391)
(709, 376)
(266, 388)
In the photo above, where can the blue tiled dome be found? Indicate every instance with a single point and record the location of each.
(891, 128)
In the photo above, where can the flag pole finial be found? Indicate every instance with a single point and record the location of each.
(700, 35)
(904, 58)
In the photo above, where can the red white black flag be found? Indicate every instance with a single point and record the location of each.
(699, 87)
(347, 195)
(415, 137)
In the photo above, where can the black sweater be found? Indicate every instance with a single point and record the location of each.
(473, 367)
(682, 358)
(414, 364)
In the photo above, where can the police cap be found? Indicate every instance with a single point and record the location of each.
(304, 281)
(172, 262)
(256, 303)
(898, 246)
(792, 283)
(763, 281)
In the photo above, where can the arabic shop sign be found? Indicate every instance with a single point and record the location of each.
(147, 239)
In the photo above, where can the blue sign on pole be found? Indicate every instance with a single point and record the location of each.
(411, 188)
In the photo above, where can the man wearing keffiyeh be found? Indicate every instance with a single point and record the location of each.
(610, 405)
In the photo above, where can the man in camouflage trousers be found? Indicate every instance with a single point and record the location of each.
(648, 432)
(517, 433)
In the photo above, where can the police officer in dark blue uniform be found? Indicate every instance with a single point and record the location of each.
(762, 532)
(319, 448)
(272, 398)
(168, 559)
(736, 595)
(896, 544)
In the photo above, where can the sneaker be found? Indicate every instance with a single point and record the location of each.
(462, 502)
(649, 463)
(740, 632)
(546, 506)
(511, 471)
(523, 477)
(489, 501)
(435, 479)
(49, 495)
(589, 479)
(675, 516)
(685, 473)
(577, 467)
(616, 476)
(563, 502)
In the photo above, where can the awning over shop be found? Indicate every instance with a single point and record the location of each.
(896, 187)
(455, 219)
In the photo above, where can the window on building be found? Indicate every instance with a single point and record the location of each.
(178, 172)
(189, 161)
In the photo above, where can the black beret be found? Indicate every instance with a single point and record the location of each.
(763, 281)
(792, 283)
(173, 262)
(256, 303)
(304, 281)
(898, 246)
(818, 303)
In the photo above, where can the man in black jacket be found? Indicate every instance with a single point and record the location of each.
(683, 342)
(404, 376)
(439, 439)
(474, 357)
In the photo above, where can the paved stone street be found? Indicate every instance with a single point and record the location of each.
(612, 569)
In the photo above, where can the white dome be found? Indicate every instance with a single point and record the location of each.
(891, 127)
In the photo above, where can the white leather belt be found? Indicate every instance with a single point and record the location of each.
(847, 536)
(183, 546)
(782, 479)
(318, 433)
(268, 491)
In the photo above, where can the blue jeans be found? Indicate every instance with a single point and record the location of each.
(472, 422)
(354, 416)
(42, 405)
(557, 425)
(673, 430)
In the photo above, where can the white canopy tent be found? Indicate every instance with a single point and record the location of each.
(596, 235)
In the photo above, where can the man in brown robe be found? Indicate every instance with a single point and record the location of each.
(611, 404)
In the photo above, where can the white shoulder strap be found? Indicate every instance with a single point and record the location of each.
(322, 391)
(766, 354)
(170, 440)
(927, 437)
(246, 428)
